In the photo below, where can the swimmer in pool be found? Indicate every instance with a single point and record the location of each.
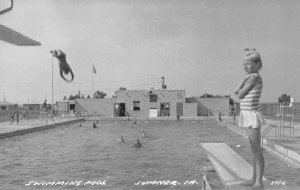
(121, 139)
(144, 134)
(94, 125)
(138, 144)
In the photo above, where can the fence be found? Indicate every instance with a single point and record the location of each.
(271, 110)
(5, 115)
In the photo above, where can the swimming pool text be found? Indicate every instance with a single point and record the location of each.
(65, 183)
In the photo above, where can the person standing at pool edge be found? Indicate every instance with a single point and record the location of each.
(18, 116)
(12, 118)
(249, 92)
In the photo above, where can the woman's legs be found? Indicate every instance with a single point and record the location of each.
(258, 161)
(253, 178)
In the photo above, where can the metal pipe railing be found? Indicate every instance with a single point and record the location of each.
(205, 182)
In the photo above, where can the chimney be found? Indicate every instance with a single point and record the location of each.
(163, 86)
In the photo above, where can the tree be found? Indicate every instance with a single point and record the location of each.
(206, 95)
(284, 98)
(99, 94)
(71, 97)
(65, 98)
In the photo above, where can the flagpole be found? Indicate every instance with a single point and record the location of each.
(93, 81)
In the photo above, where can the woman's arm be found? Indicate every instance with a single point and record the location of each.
(240, 86)
(247, 87)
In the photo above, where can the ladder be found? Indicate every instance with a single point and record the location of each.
(286, 114)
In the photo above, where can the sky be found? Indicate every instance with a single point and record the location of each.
(197, 45)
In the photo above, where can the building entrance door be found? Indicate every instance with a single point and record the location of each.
(179, 109)
(165, 109)
(119, 110)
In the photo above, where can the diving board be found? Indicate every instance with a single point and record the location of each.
(231, 167)
(11, 36)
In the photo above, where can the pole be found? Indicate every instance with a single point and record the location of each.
(52, 88)
(93, 81)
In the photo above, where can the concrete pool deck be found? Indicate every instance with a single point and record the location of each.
(31, 125)
(286, 148)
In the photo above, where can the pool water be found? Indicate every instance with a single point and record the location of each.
(74, 157)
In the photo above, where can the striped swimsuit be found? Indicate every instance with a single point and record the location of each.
(249, 106)
(251, 100)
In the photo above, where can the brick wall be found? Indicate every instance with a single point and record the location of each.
(190, 109)
(102, 107)
(210, 106)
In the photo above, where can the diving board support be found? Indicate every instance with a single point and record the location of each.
(230, 167)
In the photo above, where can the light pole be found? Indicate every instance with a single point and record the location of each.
(52, 84)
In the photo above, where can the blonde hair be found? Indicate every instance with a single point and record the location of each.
(255, 57)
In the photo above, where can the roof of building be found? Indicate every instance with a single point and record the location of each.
(154, 90)
(65, 101)
(5, 103)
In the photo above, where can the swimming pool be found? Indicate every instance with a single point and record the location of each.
(77, 157)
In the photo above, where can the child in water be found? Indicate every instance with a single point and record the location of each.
(121, 139)
(249, 92)
(138, 144)
(144, 134)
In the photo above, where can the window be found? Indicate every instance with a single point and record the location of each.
(136, 105)
(3, 107)
(153, 97)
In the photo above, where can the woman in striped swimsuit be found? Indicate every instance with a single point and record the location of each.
(249, 92)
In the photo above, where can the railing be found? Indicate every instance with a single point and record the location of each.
(264, 133)
(205, 182)
(80, 115)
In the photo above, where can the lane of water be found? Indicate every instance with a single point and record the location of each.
(172, 151)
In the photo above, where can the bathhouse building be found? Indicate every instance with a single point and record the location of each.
(152, 103)
(5, 106)
(64, 107)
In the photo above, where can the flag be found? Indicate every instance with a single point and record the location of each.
(94, 70)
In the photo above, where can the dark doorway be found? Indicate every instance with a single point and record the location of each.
(165, 109)
(72, 108)
(119, 110)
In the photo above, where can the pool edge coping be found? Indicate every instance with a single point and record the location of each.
(36, 128)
